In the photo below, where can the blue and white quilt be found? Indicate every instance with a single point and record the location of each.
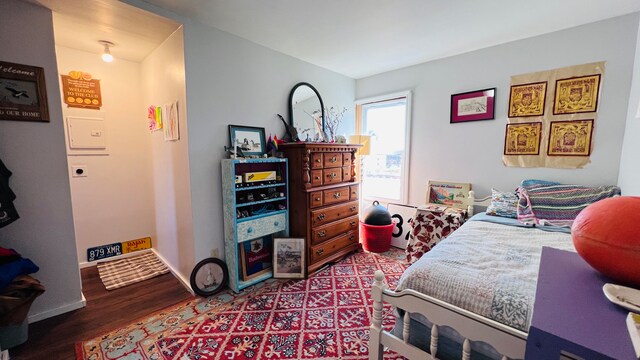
(486, 268)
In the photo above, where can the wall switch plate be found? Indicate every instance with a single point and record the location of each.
(215, 253)
(79, 171)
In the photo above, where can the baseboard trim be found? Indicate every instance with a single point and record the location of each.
(58, 311)
(185, 282)
(87, 264)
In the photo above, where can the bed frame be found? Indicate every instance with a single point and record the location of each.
(508, 342)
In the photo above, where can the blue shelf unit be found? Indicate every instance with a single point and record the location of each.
(248, 217)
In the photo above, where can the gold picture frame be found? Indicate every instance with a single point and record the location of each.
(570, 138)
(576, 95)
(523, 138)
(527, 99)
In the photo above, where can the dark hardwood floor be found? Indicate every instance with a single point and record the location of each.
(54, 338)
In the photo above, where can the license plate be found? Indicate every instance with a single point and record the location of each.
(135, 245)
(104, 251)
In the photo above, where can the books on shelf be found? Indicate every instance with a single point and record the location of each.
(633, 325)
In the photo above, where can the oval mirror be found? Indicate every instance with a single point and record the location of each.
(306, 112)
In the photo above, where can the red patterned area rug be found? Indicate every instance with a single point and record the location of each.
(326, 316)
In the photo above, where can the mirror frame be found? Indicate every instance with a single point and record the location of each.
(291, 103)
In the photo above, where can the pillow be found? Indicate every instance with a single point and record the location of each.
(503, 204)
(552, 203)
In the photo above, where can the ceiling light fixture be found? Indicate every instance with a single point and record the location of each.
(106, 55)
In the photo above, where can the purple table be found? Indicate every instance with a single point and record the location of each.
(571, 314)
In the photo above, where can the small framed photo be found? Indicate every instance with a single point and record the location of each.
(249, 139)
(447, 193)
(289, 258)
(576, 95)
(473, 106)
(527, 99)
(570, 138)
(256, 257)
(209, 276)
(23, 93)
(523, 138)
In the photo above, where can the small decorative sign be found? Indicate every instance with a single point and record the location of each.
(23, 94)
(576, 95)
(523, 139)
(136, 245)
(256, 257)
(401, 217)
(527, 99)
(80, 90)
(104, 251)
(448, 193)
(570, 138)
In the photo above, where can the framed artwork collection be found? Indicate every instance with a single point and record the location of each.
(288, 258)
(527, 99)
(249, 139)
(448, 193)
(570, 138)
(576, 95)
(473, 106)
(23, 93)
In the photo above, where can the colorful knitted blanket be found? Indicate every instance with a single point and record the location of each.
(552, 203)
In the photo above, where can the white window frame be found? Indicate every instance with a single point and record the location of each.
(404, 191)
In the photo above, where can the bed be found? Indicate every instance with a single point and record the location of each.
(477, 287)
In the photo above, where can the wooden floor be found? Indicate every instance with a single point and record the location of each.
(54, 338)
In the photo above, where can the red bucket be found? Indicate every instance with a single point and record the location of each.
(376, 238)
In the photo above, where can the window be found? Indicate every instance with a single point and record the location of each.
(385, 170)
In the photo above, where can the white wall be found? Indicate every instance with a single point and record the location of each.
(35, 153)
(115, 202)
(472, 152)
(629, 178)
(163, 81)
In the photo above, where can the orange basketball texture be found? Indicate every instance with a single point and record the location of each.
(607, 236)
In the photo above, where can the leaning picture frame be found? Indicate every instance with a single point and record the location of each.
(249, 139)
(448, 193)
(256, 257)
(473, 106)
(23, 93)
(288, 258)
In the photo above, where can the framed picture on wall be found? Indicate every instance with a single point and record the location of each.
(473, 106)
(23, 93)
(249, 139)
(527, 99)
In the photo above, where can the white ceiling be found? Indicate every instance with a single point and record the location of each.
(356, 38)
(364, 37)
(79, 24)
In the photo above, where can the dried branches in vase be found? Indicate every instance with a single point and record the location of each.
(333, 119)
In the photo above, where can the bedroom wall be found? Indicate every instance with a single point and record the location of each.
(629, 177)
(163, 81)
(233, 81)
(114, 202)
(35, 153)
(472, 152)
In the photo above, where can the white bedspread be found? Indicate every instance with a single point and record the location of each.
(486, 268)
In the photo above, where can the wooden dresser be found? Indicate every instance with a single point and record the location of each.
(323, 200)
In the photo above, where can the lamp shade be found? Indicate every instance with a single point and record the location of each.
(364, 140)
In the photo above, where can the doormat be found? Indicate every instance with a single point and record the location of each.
(326, 316)
(120, 273)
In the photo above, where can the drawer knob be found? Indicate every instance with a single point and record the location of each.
(352, 237)
(353, 223)
(319, 252)
(317, 199)
(353, 208)
(322, 233)
(333, 159)
(250, 230)
(317, 177)
(276, 223)
(336, 195)
(321, 217)
(318, 160)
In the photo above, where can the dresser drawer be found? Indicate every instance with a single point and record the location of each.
(334, 196)
(316, 178)
(315, 199)
(333, 213)
(346, 173)
(332, 176)
(332, 246)
(324, 232)
(316, 161)
(332, 160)
(259, 227)
(346, 159)
(353, 192)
